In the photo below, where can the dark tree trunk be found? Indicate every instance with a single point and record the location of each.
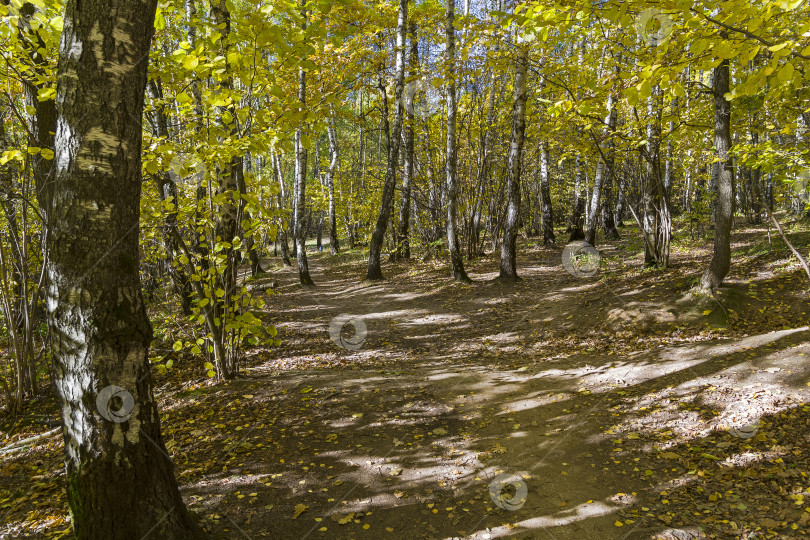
(378, 236)
(167, 190)
(227, 222)
(724, 204)
(120, 480)
(459, 274)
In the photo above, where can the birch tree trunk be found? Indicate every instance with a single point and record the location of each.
(378, 236)
(299, 189)
(545, 193)
(608, 223)
(603, 169)
(510, 229)
(334, 163)
(596, 196)
(652, 189)
(451, 164)
(120, 480)
(575, 227)
(403, 240)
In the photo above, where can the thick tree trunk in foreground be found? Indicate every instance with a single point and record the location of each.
(510, 228)
(120, 482)
(378, 236)
(450, 168)
(724, 205)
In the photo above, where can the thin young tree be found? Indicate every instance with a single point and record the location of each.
(459, 274)
(403, 238)
(120, 480)
(299, 188)
(334, 163)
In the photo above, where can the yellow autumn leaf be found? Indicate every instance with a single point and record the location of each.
(346, 519)
(300, 509)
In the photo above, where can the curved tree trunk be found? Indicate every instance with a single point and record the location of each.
(724, 205)
(167, 189)
(378, 236)
(450, 168)
(120, 480)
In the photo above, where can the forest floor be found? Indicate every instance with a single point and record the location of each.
(620, 405)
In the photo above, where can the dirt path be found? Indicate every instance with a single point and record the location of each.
(548, 389)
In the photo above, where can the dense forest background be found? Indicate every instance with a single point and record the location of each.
(178, 179)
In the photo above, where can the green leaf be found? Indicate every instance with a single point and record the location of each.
(190, 62)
